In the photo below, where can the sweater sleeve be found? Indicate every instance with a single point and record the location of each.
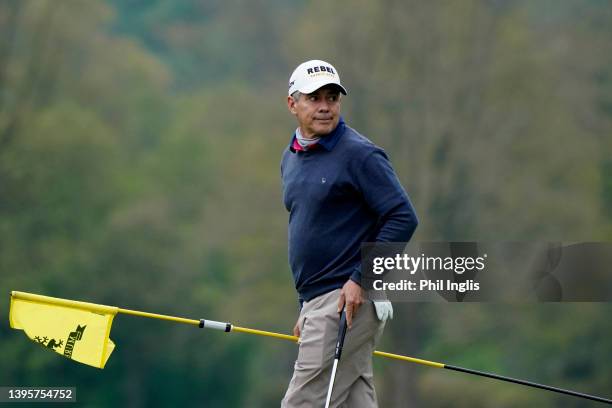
(385, 196)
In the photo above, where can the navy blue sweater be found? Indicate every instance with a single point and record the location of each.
(339, 195)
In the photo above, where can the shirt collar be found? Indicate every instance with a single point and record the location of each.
(328, 142)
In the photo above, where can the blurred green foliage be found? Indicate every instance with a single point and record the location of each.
(139, 167)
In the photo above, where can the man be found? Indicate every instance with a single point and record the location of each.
(340, 190)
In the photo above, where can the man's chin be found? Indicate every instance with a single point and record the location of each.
(324, 128)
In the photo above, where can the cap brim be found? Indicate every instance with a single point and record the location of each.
(316, 85)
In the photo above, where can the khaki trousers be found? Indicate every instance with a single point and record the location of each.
(354, 384)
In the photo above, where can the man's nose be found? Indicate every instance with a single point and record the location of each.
(323, 106)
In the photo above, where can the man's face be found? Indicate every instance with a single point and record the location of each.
(317, 113)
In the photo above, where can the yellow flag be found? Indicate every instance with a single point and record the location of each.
(76, 330)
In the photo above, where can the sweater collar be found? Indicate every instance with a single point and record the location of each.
(329, 141)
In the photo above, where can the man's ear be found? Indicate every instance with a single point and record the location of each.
(291, 105)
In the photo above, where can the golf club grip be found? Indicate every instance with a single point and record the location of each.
(341, 334)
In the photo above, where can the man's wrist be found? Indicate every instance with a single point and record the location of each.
(356, 277)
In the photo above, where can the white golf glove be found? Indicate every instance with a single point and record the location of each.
(384, 310)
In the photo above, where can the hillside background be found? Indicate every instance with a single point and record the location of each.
(140, 143)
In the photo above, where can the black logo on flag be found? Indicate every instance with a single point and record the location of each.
(52, 344)
(73, 337)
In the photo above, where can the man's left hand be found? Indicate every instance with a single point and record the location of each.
(351, 297)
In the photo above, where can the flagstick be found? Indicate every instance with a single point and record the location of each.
(210, 324)
(159, 316)
(228, 327)
(528, 383)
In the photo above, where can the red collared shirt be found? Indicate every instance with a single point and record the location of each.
(298, 147)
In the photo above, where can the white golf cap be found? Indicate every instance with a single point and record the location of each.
(312, 75)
